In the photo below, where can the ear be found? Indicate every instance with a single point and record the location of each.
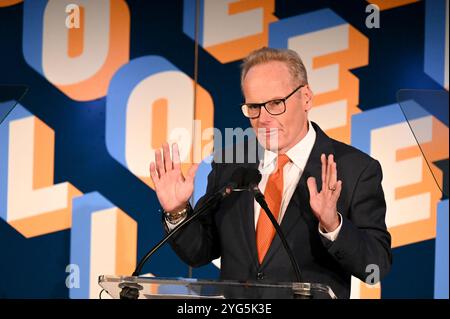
(307, 98)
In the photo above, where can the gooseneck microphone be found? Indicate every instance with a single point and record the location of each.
(238, 179)
(242, 178)
(252, 178)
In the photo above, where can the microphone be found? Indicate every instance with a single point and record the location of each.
(253, 177)
(238, 179)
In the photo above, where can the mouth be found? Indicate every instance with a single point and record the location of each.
(269, 137)
(268, 131)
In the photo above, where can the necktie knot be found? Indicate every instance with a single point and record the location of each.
(283, 159)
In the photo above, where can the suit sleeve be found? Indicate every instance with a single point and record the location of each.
(363, 243)
(198, 244)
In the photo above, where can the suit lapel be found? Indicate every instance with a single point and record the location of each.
(248, 224)
(299, 203)
(246, 205)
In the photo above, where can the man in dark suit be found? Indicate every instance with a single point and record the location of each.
(326, 195)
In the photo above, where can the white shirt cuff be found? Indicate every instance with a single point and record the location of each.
(171, 227)
(332, 235)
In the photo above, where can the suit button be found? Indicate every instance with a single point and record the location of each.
(260, 276)
(338, 255)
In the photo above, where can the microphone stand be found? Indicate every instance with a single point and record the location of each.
(131, 290)
(262, 202)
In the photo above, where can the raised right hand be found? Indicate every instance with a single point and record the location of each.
(172, 188)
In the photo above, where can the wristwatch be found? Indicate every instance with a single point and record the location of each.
(174, 218)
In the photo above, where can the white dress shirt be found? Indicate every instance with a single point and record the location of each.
(292, 173)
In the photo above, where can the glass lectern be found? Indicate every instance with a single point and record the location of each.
(189, 288)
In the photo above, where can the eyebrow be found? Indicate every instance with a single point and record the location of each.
(261, 103)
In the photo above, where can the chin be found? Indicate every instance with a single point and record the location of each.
(271, 144)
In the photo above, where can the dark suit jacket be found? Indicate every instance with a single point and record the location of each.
(228, 231)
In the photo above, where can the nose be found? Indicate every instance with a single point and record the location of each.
(264, 116)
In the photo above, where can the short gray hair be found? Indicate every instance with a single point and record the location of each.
(265, 55)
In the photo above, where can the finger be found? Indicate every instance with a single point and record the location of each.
(154, 173)
(335, 195)
(323, 160)
(167, 159)
(176, 157)
(328, 174)
(333, 177)
(190, 175)
(312, 187)
(159, 163)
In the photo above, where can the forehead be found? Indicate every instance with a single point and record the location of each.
(266, 81)
(275, 68)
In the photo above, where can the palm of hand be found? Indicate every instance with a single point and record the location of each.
(173, 189)
(321, 205)
(324, 203)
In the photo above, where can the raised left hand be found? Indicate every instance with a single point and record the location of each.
(324, 203)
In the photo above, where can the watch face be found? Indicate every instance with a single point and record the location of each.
(175, 218)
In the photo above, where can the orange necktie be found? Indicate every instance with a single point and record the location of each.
(273, 194)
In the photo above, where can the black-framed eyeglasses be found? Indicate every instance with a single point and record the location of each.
(273, 107)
